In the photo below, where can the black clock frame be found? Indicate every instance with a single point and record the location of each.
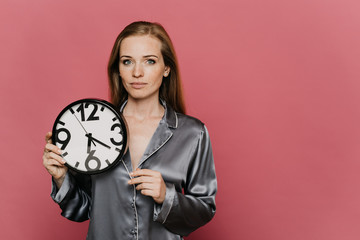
(122, 122)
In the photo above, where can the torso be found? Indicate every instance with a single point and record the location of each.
(140, 133)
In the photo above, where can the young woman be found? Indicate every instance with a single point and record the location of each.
(165, 186)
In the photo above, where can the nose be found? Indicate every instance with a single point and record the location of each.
(138, 71)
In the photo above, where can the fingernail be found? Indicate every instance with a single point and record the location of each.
(63, 161)
(129, 182)
(59, 151)
(131, 173)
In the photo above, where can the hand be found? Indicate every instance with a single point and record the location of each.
(53, 162)
(150, 183)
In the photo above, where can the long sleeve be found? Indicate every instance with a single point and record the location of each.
(73, 197)
(183, 213)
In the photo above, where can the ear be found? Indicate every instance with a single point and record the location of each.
(167, 71)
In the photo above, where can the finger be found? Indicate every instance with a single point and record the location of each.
(57, 171)
(54, 162)
(50, 162)
(52, 148)
(145, 172)
(145, 179)
(145, 186)
(148, 192)
(57, 157)
(148, 186)
(142, 179)
(48, 137)
(53, 156)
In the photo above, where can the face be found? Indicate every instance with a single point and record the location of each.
(142, 66)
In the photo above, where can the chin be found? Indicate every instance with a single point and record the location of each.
(139, 95)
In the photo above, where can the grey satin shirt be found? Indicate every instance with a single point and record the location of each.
(180, 150)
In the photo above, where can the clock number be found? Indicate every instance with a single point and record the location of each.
(116, 125)
(92, 116)
(66, 140)
(92, 158)
(82, 111)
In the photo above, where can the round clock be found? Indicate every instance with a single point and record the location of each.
(91, 134)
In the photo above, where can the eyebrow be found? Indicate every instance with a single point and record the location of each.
(146, 56)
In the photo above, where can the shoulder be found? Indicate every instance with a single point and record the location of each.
(183, 123)
(189, 122)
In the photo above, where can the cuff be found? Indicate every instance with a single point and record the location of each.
(59, 195)
(161, 211)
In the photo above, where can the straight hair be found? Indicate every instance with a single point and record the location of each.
(170, 89)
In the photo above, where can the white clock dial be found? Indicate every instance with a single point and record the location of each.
(91, 134)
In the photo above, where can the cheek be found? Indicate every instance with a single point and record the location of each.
(124, 74)
(156, 75)
(157, 81)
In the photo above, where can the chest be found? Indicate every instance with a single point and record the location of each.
(140, 134)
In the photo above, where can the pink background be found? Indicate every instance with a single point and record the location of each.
(276, 82)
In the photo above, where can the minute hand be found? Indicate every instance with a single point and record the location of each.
(98, 141)
(82, 126)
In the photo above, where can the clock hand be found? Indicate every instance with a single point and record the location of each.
(96, 140)
(89, 143)
(83, 128)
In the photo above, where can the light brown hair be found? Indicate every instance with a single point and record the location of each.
(170, 89)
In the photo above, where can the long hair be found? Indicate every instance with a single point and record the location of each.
(170, 89)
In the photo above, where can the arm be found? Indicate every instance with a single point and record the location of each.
(73, 196)
(70, 191)
(184, 213)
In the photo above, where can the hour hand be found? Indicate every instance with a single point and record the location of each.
(98, 141)
(90, 140)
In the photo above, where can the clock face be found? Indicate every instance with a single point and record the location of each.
(91, 134)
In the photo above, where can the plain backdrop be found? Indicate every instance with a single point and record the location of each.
(276, 82)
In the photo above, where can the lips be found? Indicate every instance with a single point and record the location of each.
(138, 85)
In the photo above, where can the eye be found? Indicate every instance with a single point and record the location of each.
(126, 62)
(150, 61)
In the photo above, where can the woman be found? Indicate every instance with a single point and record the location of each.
(165, 186)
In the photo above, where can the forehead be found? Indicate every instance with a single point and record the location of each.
(140, 45)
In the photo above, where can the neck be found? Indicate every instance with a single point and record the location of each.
(143, 108)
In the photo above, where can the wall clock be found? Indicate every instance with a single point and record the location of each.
(92, 135)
